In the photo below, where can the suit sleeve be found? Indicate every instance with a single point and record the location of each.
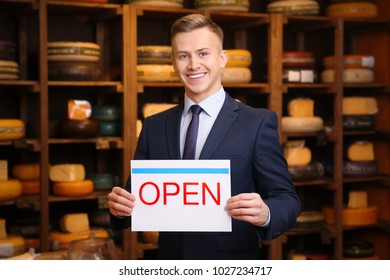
(273, 180)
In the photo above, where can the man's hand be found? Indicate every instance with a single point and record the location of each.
(120, 202)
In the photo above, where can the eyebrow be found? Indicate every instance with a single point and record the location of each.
(199, 50)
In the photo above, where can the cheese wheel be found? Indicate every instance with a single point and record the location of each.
(74, 71)
(7, 50)
(79, 109)
(357, 248)
(106, 113)
(154, 55)
(157, 3)
(223, 5)
(11, 246)
(9, 70)
(73, 51)
(87, 128)
(30, 186)
(108, 128)
(74, 222)
(150, 109)
(67, 172)
(239, 58)
(12, 129)
(156, 73)
(354, 61)
(296, 59)
(297, 156)
(349, 76)
(309, 220)
(361, 151)
(294, 7)
(358, 122)
(360, 106)
(61, 240)
(231, 75)
(352, 10)
(357, 199)
(359, 168)
(10, 189)
(353, 217)
(3, 231)
(104, 181)
(301, 124)
(26, 171)
(309, 172)
(75, 188)
(301, 107)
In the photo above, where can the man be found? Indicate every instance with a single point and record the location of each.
(264, 202)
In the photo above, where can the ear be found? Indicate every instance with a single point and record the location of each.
(223, 58)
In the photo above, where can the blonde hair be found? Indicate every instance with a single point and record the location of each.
(192, 22)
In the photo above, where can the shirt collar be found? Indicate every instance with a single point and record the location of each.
(211, 105)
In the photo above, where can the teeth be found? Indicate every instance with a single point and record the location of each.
(196, 76)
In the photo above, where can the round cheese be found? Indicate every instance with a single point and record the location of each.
(106, 113)
(10, 189)
(74, 222)
(61, 240)
(67, 172)
(353, 217)
(297, 156)
(157, 3)
(302, 124)
(361, 151)
(109, 128)
(296, 59)
(11, 246)
(232, 75)
(12, 129)
(349, 76)
(87, 128)
(294, 7)
(301, 107)
(73, 51)
(359, 105)
(9, 70)
(26, 171)
(76, 188)
(156, 73)
(154, 55)
(355, 61)
(30, 186)
(74, 71)
(223, 5)
(352, 10)
(309, 220)
(104, 181)
(308, 172)
(239, 58)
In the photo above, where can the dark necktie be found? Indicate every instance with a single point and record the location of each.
(192, 133)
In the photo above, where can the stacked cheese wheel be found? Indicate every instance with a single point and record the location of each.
(10, 244)
(157, 3)
(69, 180)
(298, 67)
(359, 113)
(308, 220)
(301, 117)
(28, 174)
(294, 7)
(352, 9)
(358, 250)
(299, 162)
(154, 64)
(223, 5)
(356, 213)
(74, 61)
(12, 129)
(237, 68)
(9, 68)
(102, 181)
(360, 159)
(357, 69)
(109, 117)
(78, 123)
(74, 226)
(9, 188)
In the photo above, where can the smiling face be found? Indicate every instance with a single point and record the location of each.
(198, 58)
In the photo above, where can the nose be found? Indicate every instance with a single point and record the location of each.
(193, 63)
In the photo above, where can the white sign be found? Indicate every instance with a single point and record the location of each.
(180, 195)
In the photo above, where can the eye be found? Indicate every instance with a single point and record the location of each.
(201, 54)
(182, 57)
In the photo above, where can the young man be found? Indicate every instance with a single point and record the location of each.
(264, 202)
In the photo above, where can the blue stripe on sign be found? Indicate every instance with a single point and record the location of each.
(180, 170)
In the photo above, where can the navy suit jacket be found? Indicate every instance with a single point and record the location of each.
(248, 137)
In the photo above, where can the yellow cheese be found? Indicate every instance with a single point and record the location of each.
(75, 222)
(73, 51)
(11, 246)
(3, 170)
(301, 107)
(353, 217)
(235, 75)
(352, 10)
(359, 106)
(62, 240)
(30, 186)
(156, 73)
(239, 58)
(361, 151)
(150, 109)
(357, 199)
(79, 109)
(302, 124)
(157, 3)
(10, 189)
(67, 173)
(352, 75)
(297, 156)
(3, 231)
(11, 129)
(26, 171)
(76, 188)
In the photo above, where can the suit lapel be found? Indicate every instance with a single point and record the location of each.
(225, 119)
(173, 132)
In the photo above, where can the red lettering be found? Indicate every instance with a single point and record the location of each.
(157, 193)
(166, 193)
(186, 193)
(217, 199)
